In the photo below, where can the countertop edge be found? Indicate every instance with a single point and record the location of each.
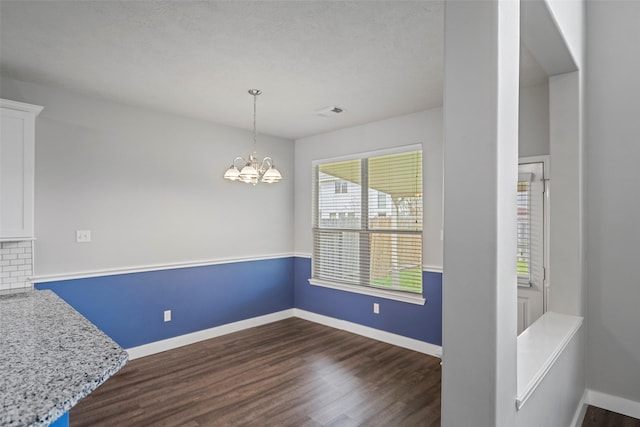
(60, 409)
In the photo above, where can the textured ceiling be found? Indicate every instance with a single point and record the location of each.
(375, 59)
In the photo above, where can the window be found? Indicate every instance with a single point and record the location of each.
(530, 223)
(524, 230)
(382, 200)
(376, 239)
(532, 253)
(340, 186)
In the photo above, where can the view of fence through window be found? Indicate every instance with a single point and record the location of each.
(368, 221)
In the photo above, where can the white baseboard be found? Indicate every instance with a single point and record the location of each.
(581, 411)
(609, 402)
(194, 337)
(376, 334)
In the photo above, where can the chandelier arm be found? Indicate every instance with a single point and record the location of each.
(267, 162)
(244, 162)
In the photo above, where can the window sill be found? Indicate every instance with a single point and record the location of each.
(16, 239)
(380, 293)
(539, 346)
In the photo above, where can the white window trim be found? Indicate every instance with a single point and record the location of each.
(367, 154)
(372, 291)
(546, 160)
(407, 297)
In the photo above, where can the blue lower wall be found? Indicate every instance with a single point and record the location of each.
(63, 421)
(129, 307)
(421, 322)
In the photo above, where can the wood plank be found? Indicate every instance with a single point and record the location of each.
(288, 373)
(597, 417)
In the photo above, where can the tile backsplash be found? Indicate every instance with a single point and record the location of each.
(16, 265)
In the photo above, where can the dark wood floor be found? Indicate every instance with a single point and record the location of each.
(597, 417)
(288, 373)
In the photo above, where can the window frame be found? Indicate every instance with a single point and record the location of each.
(408, 297)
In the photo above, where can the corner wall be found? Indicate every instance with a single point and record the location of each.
(533, 129)
(613, 199)
(168, 231)
(481, 88)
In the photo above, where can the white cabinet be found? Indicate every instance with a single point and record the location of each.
(17, 161)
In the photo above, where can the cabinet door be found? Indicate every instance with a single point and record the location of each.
(16, 173)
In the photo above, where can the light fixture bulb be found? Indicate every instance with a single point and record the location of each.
(272, 175)
(248, 172)
(232, 173)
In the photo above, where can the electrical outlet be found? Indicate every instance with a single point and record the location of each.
(83, 236)
(167, 315)
(376, 308)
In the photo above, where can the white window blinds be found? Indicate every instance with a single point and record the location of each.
(370, 232)
(524, 229)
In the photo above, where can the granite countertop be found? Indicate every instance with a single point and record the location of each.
(50, 358)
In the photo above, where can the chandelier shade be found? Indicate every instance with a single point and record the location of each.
(252, 171)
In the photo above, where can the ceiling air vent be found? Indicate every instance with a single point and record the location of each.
(330, 111)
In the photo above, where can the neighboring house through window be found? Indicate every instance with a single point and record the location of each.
(341, 186)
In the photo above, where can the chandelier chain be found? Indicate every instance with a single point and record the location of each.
(255, 97)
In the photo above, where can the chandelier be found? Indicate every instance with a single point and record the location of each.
(253, 170)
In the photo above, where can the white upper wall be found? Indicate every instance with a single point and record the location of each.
(148, 185)
(569, 16)
(533, 129)
(566, 249)
(139, 179)
(612, 197)
(423, 127)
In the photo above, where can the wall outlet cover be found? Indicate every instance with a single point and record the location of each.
(83, 236)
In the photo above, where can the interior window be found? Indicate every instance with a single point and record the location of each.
(531, 243)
